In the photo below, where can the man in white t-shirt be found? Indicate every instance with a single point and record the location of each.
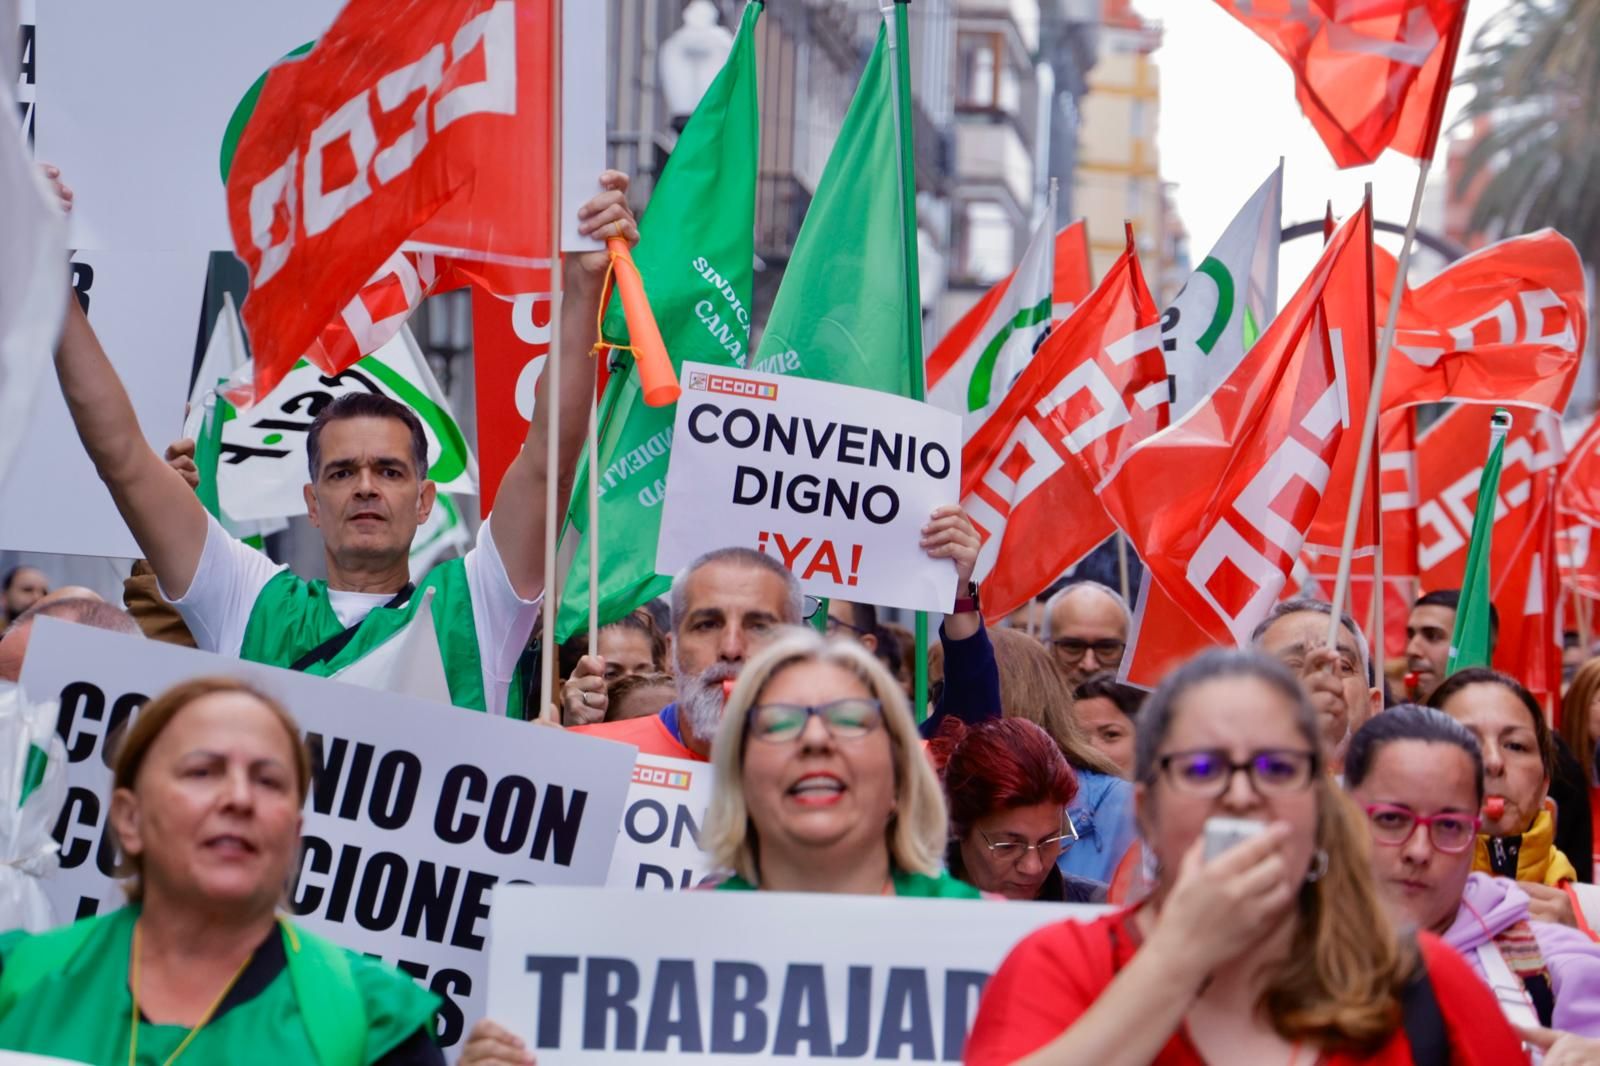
(367, 496)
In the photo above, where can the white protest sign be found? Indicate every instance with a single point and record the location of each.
(596, 978)
(145, 308)
(833, 481)
(416, 811)
(584, 74)
(658, 845)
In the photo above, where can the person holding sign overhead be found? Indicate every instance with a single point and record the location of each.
(1264, 940)
(198, 967)
(368, 494)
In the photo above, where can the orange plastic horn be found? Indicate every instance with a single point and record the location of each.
(655, 369)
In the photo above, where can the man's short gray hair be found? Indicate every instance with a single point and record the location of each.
(794, 601)
(1323, 607)
(1050, 604)
(85, 612)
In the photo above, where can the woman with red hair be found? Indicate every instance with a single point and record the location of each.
(1008, 787)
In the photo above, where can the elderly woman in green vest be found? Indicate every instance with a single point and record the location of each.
(199, 967)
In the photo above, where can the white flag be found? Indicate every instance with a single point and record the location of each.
(34, 278)
(992, 355)
(1227, 303)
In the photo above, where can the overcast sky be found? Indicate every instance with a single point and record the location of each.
(1228, 112)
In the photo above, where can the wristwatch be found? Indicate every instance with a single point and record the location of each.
(969, 602)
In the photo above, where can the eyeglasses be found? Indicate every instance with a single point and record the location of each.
(779, 723)
(1014, 851)
(836, 624)
(1450, 832)
(1106, 652)
(809, 606)
(1209, 771)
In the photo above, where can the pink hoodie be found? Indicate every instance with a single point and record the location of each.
(1489, 905)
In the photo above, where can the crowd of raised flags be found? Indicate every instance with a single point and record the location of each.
(1245, 454)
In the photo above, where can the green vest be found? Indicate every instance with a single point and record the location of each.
(65, 993)
(908, 885)
(292, 616)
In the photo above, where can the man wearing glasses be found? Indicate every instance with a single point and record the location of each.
(1087, 629)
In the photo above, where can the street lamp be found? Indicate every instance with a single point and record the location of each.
(690, 59)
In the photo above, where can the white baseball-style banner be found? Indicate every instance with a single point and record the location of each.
(835, 482)
(416, 811)
(658, 846)
(591, 978)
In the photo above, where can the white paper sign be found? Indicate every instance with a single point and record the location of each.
(145, 308)
(584, 76)
(835, 482)
(416, 811)
(658, 846)
(586, 978)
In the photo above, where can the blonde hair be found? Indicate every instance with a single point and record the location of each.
(917, 831)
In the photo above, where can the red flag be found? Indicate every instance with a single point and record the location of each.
(1369, 74)
(1507, 324)
(1074, 278)
(365, 143)
(1218, 504)
(1579, 494)
(1096, 385)
(1523, 578)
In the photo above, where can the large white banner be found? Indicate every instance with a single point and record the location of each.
(658, 846)
(416, 811)
(591, 978)
(833, 481)
(145, 307)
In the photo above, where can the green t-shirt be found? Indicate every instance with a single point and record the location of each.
(909, 885)
(79, 1008)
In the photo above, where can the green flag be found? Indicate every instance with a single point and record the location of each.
(1469, 644)
(696, 254)
(841, 311)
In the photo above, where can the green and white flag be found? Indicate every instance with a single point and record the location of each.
(443, 536)
(261, 452)
(1226, 303)
(971, 371)
(840, 312)
(696, 255)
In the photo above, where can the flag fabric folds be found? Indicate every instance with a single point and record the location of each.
(1218, 504)
(698, 269)
(411, 120)
(1469, 643)
(1096, 385)
(1369, 74)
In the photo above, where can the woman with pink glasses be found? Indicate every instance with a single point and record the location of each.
(1418, 775)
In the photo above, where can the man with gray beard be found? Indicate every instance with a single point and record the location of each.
(726, 606)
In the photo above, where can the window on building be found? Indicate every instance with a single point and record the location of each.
(980, 58)
(989, 242)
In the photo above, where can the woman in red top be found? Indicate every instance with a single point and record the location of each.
(1274, 952)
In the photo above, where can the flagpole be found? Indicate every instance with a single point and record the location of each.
(1369, 427)
(552, 397)
(899, 37)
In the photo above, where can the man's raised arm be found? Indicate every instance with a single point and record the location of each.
(519, 504)
(160, 508)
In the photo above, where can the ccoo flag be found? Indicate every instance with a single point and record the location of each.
(1469, 644)
(696, 254)
(840, 312)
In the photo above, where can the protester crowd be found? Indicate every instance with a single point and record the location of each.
(1300, 866)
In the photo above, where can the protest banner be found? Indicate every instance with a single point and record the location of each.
(834, 481)
(143, 306)
(658, 845)
(415, 812)
(596, 978)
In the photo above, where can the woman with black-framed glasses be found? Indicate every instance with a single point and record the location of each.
(1418, 774)
(1269, 948)
(1008, 787)
(820, 781)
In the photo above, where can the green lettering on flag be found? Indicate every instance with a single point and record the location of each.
(1469, 643)
(696, 255)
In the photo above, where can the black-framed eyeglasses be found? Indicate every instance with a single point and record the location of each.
(780, 723)
(836, 624)
(1209, 771)
(1106, 652)
(1049, 849)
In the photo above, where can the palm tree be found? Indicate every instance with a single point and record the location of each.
(1536, 71)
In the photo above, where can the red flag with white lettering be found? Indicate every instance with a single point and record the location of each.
(411, 120)
(1369, 74)
(1219, 503)
(1579, 494)
(1096, 385)
(1506, 324)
